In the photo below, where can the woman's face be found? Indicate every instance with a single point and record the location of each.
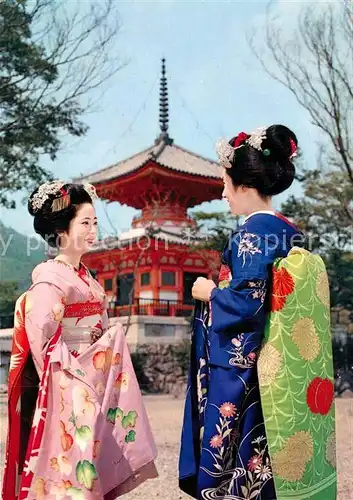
(82, 231)
(236, 197)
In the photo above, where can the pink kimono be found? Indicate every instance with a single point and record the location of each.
(77, 425)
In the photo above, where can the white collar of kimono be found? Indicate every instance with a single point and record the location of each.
(271, 212)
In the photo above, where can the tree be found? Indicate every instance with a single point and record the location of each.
(340, 271)
(216, 226)
(311, 63)
(52, 55)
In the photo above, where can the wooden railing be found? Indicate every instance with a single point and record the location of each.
(152, 307)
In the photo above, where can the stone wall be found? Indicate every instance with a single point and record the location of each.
(162, 368)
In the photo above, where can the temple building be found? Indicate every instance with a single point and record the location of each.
(148, 271)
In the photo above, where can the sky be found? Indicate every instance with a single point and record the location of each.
(216, 89)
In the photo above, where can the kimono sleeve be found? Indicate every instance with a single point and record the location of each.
(45, 305)
(241, 306)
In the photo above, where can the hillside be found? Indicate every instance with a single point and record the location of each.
(17, 259)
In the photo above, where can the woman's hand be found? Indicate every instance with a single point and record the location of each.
(202, 289)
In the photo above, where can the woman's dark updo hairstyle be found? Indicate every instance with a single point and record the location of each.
(49, 223)
(271, 174)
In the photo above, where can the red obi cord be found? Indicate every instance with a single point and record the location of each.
(82, 309)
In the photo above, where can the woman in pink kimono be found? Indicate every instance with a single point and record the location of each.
(77, 425)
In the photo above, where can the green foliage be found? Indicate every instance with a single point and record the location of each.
(217, 226)
(324, 211)
(52, 54)
(8, 296)
(331, 238)
(29, 124)
(340, 271)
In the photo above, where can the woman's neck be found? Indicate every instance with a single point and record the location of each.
(73, 260)
(261, 207)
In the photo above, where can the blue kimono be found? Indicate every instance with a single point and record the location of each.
(223, 446)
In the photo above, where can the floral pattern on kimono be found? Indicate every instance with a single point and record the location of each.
(224, 451)
(89, 437)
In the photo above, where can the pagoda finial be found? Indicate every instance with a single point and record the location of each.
(164, 107)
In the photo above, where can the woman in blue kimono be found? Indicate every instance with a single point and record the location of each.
(224, 451)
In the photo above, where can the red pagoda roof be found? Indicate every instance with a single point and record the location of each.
(169, 156)
(164, 174)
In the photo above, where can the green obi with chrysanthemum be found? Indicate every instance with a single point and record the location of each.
(296, 379)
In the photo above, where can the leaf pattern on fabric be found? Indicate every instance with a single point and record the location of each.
(103, 360)
(82, 403)
(127, 421)
(122, 382)
(86, 474)
(83, 435)
(61, 450)
(66, 439)
(130, 437)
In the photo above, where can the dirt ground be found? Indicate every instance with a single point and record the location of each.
(166, 416)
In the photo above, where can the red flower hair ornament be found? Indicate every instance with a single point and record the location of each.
(226, 151)
(293, 148)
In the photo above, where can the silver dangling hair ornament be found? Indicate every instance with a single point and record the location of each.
(62, 200)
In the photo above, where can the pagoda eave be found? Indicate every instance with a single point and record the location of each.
(155, 180)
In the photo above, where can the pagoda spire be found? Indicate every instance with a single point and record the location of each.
(164, 107)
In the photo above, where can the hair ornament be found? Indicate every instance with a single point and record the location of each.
(294, 148)
(44, 192)
(91, 190)
(266, 152)
(225, 153)
(240, 139)
(62, 202)
(255, 139)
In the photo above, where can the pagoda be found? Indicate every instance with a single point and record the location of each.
(148, 271)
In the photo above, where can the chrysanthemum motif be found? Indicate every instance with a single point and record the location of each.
(323, 289)
(283, 285)
(306, 339)
(263, 472)
(254, 462)
(269, 363)
(289, 463)
(331, 450)
(228, 410)
(283, 282)
(216, 441)
(258, 440)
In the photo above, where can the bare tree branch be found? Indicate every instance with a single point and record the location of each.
(310, 65)
(70, 54)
